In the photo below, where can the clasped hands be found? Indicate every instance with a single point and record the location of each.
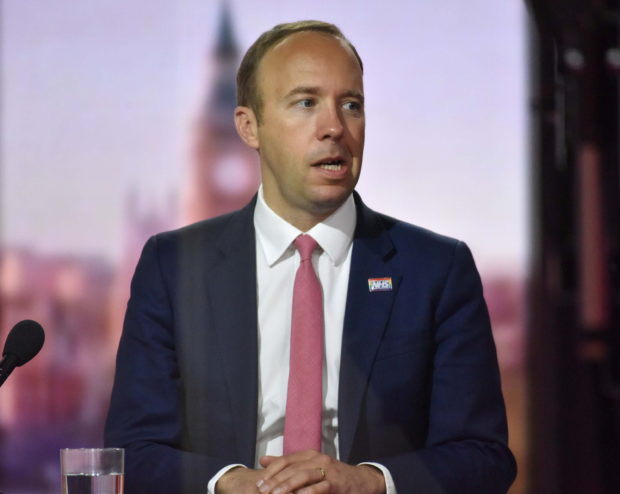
(306, 472)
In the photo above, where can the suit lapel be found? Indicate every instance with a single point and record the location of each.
(232, 290)
(366, 318)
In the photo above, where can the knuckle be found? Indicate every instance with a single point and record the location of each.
(325, 460)
(286, 486)
(311, 489)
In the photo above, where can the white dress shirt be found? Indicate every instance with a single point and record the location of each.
(277, 261)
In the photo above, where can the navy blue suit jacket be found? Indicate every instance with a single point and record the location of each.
(419, 384)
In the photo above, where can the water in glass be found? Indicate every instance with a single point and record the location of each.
(92, 484)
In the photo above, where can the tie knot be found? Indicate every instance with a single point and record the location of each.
(305, 244)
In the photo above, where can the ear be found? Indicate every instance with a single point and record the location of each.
(247, 126)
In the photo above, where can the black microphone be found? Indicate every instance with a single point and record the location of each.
(23, 342)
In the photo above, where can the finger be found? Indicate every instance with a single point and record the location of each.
(267, 460)
(292, 478)
(276, 465)
(322, 487)
(279, 463)
(302, 455)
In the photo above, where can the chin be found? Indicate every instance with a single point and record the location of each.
(327, 204)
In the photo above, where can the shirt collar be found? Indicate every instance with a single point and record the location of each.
(334, 234)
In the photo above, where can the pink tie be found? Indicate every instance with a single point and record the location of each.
(302, 423)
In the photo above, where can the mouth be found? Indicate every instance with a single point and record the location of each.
(334, 164)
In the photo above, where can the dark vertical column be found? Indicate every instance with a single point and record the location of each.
(574, 297)
(546, 271)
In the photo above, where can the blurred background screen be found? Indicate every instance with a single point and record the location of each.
(116, 123)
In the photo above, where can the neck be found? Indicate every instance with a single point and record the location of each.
(301, 219)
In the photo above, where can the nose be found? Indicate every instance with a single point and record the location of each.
(330, 125)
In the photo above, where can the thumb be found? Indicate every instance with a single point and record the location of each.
(267, 460)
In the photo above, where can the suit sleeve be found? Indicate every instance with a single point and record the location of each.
(145, 415)
(466, 447)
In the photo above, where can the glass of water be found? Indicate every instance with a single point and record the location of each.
(92, 470)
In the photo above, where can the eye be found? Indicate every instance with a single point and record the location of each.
(352, 106)
(306, 103)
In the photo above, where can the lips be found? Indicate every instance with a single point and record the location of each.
(331, 163)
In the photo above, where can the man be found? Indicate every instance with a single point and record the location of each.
(211, 379)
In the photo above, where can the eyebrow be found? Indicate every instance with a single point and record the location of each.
(315, 91)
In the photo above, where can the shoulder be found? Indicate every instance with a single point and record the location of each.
(414, 236)
(427, 251)
(206, 230)
(210, 233)
(417, 253)
(405, 238)
(202, 244)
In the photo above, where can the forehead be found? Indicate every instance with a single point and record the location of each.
(309, 58)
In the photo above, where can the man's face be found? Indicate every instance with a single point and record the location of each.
(311, 135)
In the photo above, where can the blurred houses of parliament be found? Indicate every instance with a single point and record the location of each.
(60, 398)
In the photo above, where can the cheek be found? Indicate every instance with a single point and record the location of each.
(360, 134)
(278, 154)
(356, 133)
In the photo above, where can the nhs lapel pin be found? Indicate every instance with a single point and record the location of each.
(379, 284)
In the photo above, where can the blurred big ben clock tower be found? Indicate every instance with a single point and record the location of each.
(224, 172)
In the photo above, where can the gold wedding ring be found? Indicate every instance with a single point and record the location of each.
(322, 472)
